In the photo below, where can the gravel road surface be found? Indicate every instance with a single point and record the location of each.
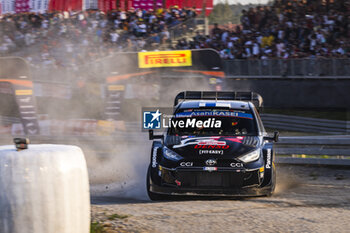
(307, 199)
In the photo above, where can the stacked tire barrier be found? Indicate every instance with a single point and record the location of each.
(44, 189)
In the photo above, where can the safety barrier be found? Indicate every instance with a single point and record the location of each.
(305, 124)
(314, 145)
(307, 67)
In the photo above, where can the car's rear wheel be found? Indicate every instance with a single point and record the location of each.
(153, 196)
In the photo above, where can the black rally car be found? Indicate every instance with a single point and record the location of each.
(216, 146)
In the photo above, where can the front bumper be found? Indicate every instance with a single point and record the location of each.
(199, 181)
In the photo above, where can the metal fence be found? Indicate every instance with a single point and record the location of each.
(186, 28)
(306, 68)
(288, 67)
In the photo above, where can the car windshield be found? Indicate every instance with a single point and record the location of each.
(226, 122)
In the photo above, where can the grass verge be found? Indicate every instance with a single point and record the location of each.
(96, 227)
(117, 216)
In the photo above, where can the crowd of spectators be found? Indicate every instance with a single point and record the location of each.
(70, 39)
(286, 29)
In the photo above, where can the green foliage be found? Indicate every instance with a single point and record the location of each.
(96, 227)
(223, 13)
(119, 216)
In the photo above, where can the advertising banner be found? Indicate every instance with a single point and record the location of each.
(39, 6)
(147, 4)
(165, 59)
(7, 6)
(21, 6)
(65, 5)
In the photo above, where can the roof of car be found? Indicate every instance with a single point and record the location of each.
(234, 104)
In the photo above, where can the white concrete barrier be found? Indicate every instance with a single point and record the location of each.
(44, 189)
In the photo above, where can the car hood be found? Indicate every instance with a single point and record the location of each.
(218, 147)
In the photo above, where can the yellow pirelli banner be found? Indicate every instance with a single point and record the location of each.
(165, 59)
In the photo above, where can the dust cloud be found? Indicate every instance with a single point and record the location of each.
(121, 172)
(287, 179)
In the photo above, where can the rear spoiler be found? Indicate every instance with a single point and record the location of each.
(253, 97)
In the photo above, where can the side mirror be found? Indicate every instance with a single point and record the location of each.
(275, 137)
(151, 136)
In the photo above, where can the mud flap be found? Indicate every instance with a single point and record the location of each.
(269, 169)
(154, 162)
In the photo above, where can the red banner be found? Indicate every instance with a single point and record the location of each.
(21, 6)
(65, 5)
(147, 4)
(107, 5)
(10, 6)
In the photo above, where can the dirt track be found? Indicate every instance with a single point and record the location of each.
(307, 199)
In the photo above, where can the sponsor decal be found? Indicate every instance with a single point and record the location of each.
(151, 120)
(178, 183)
(203, 143)
(26, 106)
(186, 164)
(238, 165)
(210, 169)
(238, 139)
(211, 147)
(215, 114)
(29, 118)
(212, 143)
(115, 95)
(116, 87)
(27, 112)
(211, 162)
(268, 159)
(24, 92)
(211, 152)
(165, 59)
(154, 157)
(25, 99)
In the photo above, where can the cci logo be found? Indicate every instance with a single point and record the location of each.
(151, 120)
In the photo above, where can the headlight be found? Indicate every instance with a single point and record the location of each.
(250, 157)
(171, 155)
